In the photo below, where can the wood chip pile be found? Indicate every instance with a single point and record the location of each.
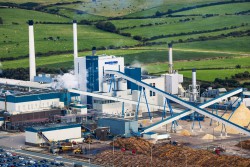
(245, 144)
(240, 117)
(165, 155)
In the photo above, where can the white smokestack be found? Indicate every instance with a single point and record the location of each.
(194, 83)
(170, 59)
(75, 38)
(32, 59)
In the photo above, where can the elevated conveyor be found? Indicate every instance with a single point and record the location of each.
(183, 103)
(114, 98)
(40, 134)
(187, 112)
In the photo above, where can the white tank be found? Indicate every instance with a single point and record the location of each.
(122, 84)
(105, 86)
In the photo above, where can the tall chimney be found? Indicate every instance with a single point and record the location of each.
(194, 84)
(93, 51)
(170, 58)
(32, 59)
(75, 38)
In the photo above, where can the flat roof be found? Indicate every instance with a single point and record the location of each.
(52, 127)
(118, 119)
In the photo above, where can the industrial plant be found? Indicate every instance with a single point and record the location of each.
(109, 101)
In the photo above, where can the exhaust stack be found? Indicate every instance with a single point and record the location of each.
(75, 38)
(170, 59)
(32, 59)
(194, 90)
(94, 51)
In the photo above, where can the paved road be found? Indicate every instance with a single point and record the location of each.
(66, 161)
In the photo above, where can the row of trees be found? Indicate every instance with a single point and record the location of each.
(23, 73)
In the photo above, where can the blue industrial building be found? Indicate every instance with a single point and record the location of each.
(119, 126)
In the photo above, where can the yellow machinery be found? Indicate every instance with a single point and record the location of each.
(65, 148)
(78, 151)
(88, 140)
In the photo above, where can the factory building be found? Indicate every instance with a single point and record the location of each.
(89, 71)
(16, 102)
(45, 134)
(117, 126)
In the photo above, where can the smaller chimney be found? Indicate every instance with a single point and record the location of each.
(194, 90)
(32, 59)
(170, 58)
(93, 51)
(75, 38)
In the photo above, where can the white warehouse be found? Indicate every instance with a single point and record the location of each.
(59, 132)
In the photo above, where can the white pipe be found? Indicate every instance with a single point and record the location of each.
(194, 84)
(75, 38)
(32, 59)
(170, 58)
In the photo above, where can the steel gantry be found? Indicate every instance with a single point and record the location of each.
(192, 108)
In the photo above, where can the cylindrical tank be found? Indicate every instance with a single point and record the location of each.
(122, 84)
(105, 86)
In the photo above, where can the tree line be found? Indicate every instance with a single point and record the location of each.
(23, 73)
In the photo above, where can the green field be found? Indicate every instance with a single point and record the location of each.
(139, 56)
(169, 4)
(233, 45)
(79, 16)
(56, 40)
(210, 75)
(219, 9)
(21, 16)
(196, 36)
(14, 44)
(197, 25)
(42, 2)
(206, 75)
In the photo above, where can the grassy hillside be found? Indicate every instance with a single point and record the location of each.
(198, 24)
(39, 1)
(21, 16)
(50, 37)
(132, 56)
(169, 4)
(218, 9)
(55, 39)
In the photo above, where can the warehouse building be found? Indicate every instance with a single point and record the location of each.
(54, 132)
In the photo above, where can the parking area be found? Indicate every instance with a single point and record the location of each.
(10, 159)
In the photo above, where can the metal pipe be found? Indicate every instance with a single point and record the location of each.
(170, 59)
(32, 61)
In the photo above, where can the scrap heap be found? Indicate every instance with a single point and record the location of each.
(164, 155)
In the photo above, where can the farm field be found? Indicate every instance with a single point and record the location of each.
(196, 25)
(206, 69)
(147, 57)
(54, 37)
(219, 9)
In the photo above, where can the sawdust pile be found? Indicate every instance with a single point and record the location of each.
(166, 155)
(245, 144)
(185, 133)
(208, 137)
(240, 117)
